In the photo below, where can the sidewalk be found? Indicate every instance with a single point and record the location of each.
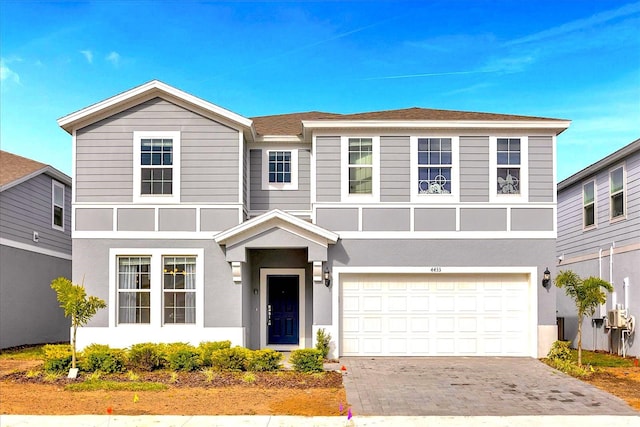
(286, 421)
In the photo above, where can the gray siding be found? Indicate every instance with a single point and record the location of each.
(386, 219)
(531, 219)
(477, 219)
(218, 219)
(94, 219)
(337, 219)
(27, 207)
(474, 169)
(541, 185)
(434, 219)
(136, 220)
(328, 169)
(263, 200)
(105, 150)
(573, 240)
(395, 167)
(29, 311)
(176, 220)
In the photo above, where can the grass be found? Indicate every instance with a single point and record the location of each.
(116, 386)
(599, 359)
(23, 353)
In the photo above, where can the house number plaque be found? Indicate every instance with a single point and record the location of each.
(436, 269)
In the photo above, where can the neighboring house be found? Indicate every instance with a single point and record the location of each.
(599, 235)
(35, 248)
(404, 232)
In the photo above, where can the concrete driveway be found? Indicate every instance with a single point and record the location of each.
(470, 386)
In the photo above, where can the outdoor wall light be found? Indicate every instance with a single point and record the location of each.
(546, 277)
(327, 278)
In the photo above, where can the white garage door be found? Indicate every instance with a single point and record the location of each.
(436, 315)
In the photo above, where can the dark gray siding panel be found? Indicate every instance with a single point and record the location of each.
(328, 169)
(474, 169)
(136, 219)
(395, 166)
(541, 185)
(476, 219)
(104, 154)
(531, 219)
(94, 219)
(29, 312)
(27, 207)
(573, 240)
(337, 219)
(433, 219)
(263, 200)
(176, 219)
(386, 219)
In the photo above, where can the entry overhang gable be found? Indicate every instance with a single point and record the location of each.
(276, 229)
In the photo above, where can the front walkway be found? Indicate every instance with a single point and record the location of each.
(470, 386)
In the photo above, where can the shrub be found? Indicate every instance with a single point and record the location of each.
(183, 357)
(57, 357)
(306, 360)
(323, 341)
(560, 351)
(570, 368)
(98, 357)
(264, 360)
(147, 356)
(230, 359)
(206, 348)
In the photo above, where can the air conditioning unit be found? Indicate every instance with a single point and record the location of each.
(617, 319)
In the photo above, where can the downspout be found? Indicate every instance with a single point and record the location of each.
(614, 299)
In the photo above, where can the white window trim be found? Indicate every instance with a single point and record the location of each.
(266, 185)
(55, 184)
(595, 206)
(344, 170)
(157, 291)
(523, 197)
(624, 193)
(137, 167)
(454, 196)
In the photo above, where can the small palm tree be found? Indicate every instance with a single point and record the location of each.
(587, 295)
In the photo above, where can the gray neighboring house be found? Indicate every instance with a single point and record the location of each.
(412, 232)
(35, 248)
(599, 235)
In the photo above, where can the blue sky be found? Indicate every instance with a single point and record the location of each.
(577, 60)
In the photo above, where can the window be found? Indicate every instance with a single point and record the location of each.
(280, 169)
(508, 162)
(589, 204)
(134, 289)
(179, 284)
(156, 166)
(360, 166)
(434, 165)
(57, 205)
(616, 180)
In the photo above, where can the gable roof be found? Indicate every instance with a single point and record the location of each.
(611, 159)
(16, 169)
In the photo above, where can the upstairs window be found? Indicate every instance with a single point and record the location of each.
(616, 181)
(589, 204)
(280, 166)
(508, 165)
(156, 166)
(434, 165)
(57, 205)
(280, 169)
(360, 166)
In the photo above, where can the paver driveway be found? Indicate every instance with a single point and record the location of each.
(470, 386)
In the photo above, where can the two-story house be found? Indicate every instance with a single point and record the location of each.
(404, 232)
(599, 235)
(35, 248)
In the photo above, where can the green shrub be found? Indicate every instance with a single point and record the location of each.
(323, 341)
(230, 359)
(98, 357)
(183, 357)
(560, 351)
(571, 368)
(264, 360)
(57, 357)
(306, 360)
(206, 348)
(147, 356)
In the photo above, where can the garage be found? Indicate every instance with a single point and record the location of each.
(437, 315)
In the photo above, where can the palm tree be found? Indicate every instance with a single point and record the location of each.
(587, 295)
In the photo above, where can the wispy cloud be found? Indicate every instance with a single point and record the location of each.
(88, 55)
(114, 58)
(418, 75)
(7, 74)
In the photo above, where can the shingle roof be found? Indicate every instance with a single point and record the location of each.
(14, 168)
(291, 124)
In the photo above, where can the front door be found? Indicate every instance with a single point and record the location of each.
(283, 309)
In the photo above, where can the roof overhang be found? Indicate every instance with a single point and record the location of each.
(145, 92)
(48, 170)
